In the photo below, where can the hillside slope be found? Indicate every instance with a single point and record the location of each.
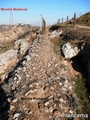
(84, 19)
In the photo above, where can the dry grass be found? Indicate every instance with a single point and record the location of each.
(6, 47)
(81, 92)
(77, 34)
(84, 19)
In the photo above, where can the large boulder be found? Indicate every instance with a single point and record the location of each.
(69, 51)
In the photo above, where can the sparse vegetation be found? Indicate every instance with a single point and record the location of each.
(21, 35)
(76, 34)
(84, 19)
(81, 92)
(6, 47)
(54, 27)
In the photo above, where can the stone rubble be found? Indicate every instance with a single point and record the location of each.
(55, 33)
(11, 57)
(38, 88)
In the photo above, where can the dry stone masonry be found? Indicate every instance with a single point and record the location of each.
(39, 87)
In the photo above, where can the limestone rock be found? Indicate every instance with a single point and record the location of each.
(7, 60)
(16, 115)
(55, 33)
(25, 43)
(69, 51)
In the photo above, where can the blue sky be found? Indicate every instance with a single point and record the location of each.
(51, 10)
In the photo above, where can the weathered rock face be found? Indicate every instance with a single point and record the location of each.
(24, 45)
(7, 60)
(69, 51)
(11, 57)
(38, 87)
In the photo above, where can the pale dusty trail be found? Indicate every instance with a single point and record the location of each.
(83, 26)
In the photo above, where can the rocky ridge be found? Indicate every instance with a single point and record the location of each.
(39, 86)
(12, 50)
(13, 34)
(13, 55)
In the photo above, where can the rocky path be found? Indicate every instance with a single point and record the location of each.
(39, 87)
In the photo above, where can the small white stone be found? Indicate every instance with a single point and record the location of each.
(51, 109)
(37, 55)
(15, 78)
(35, 90)
(70, 88)
(24, 69)
(14, 100)
(19, 69)
(27, 75)
(24, 62)
(64, 89)
(49, 64)
(54, 105)
(27, 93)
(34, 68)
(30, 85)
(61, 106)
(65, 86)
(50, 97)
(17, 82)
(16, 115)
(28, 58)
(60, 83)
(66, 81)
(51, 100)
(19, 77)
(46, 103)
(61, 100)
(37, 84)
(9, 100)
(31, 91)
(71, 111)
(52, 88)
(32, 54)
